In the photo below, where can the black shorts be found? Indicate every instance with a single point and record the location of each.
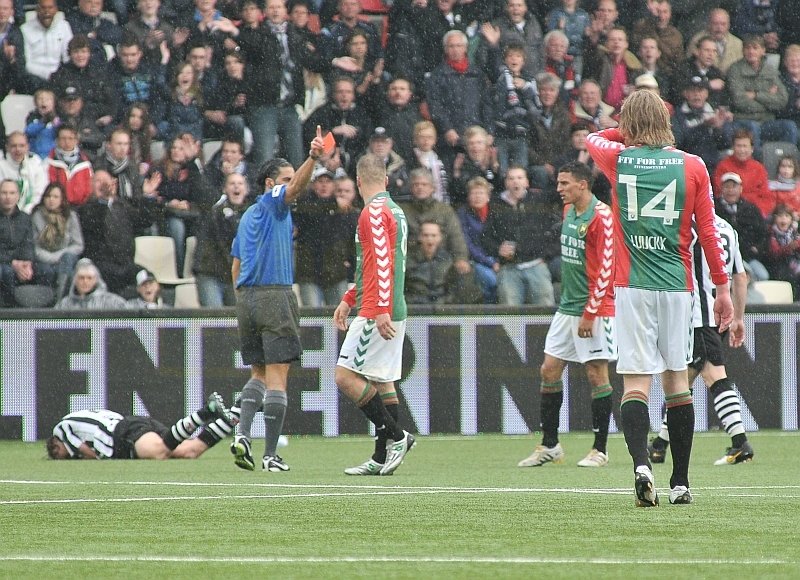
(130, 430)
(269, 324)
(708, 347)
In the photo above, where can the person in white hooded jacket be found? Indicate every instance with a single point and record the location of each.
(88, 291)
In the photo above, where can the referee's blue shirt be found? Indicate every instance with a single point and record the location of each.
(263, 242)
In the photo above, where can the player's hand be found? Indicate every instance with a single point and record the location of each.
(585, 327)
(340, 315)
(723, 308)
(736, 334)
(317, 145)
(385, 326)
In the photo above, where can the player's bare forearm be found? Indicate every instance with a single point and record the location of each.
(86, 452)
(235, 268)
(739, 295)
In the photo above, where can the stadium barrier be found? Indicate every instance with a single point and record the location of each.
(464, 371)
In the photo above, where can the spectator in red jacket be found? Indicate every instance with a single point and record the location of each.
(70, 166)
(753, 174)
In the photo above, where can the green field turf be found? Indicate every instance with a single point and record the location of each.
(458, 508)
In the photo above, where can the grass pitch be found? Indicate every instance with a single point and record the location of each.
(458, 508)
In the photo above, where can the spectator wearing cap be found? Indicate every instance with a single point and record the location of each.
(148, 292)
(44, 45)
(89, 20)
(381, 145)
(648, 82)
(89, 291)
(757, 95)
(748, 222)
(322, 243)
(213, 261)
(73, 111)
(729, 47)
(790, 76)
(91, 82)
(399, 113)
(753, 175)
(702, 65)
(699, 127)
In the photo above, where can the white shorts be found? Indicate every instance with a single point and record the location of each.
(365, 352)
(654, 329)
(564, 343)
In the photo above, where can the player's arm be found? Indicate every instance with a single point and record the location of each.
(299, 182)
(604, 147)
(236, 267)
(736, 336)
(600, 238)
(86, 452)
(710, 240)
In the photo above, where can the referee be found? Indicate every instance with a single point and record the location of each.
(266, 307)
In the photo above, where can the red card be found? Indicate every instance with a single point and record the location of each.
(328, 143)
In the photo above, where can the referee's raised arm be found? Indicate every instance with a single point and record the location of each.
(299, 183)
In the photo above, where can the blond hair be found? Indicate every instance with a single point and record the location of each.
(644, 120)
(421, 126)
(475, 130)
(371, 170)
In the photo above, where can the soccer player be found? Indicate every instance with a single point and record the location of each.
(657, 191)
(266, 307)
(583, 327)
(370, 362)
(708, 359)
(103, 434)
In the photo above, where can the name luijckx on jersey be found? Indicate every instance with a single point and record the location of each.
(648, 242)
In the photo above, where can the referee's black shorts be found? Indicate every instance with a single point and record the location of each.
(708, 347)
(269, 324)
(130, 430)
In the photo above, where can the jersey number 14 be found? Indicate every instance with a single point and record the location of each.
(662, 206)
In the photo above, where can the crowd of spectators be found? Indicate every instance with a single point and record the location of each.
(474, 105)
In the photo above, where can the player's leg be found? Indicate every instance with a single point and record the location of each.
(660, 443)
(597, 373)
(676, 340)
(191, 448)
(214, 409)
(729, 411)
(151, 446)
(559, 347)
(275, 405)
(388, 395)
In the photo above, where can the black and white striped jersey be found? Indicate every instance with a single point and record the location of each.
(95, 428)
(704, 288)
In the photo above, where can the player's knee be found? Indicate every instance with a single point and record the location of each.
(549, 373)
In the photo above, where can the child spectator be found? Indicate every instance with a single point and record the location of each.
(785, 185)
(41, 124)
(57, 237)
(185, 109)
(784, 247)
(514, 96)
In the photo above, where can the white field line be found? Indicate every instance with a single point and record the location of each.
(399, 559)
(353, 491)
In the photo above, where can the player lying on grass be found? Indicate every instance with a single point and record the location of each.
(104, 434)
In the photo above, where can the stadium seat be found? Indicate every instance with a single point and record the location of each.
(374, 6)
(157, 150)
(772, 151)
(188, 260)
(774, 291)
(15, 109)
(209, 149)
(186, 296)
(157, 254)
